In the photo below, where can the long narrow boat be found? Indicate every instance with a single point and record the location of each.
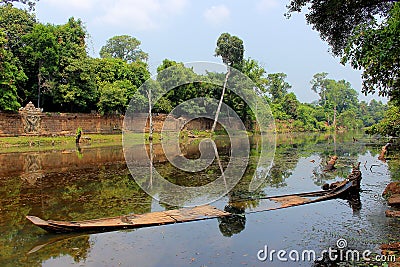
(131, 221)
(204, 212)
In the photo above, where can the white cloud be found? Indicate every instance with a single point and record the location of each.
(266, 5)
(216, 15)
(139, 14)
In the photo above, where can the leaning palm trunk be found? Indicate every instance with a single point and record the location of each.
(215, 123)
(221, 99)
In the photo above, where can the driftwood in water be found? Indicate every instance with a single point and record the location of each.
(354, 177)
(392, 213)
(330, 165)
(390, 247)
(391, 189)
(383, 152)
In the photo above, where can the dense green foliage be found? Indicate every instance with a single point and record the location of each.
(230, 49)
(277, 87)
(49, 64)
(10, 74)
(337, 107)
(336, 21)
(390, 125)
(375, 48)
(124, 47)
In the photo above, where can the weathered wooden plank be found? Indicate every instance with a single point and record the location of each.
(289, 201)
(196, 213)
(152, 218)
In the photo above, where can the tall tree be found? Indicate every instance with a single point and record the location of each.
(231, 50)
(10, 75)
(59, 69)
(124, 47)
(277, 87)
(337, 96)
(76, 91)
(252, 69)
(319, 86)
(15, 23)
(290, 105)
(171, 73)
(42, 52)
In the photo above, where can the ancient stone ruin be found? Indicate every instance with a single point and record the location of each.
(31, 118)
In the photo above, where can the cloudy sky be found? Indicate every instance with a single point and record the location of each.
(184, 30)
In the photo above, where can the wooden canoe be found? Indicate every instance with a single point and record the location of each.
(180, 215)
(339, 189)
(130, 221)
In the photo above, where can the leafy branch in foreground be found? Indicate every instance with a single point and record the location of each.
(30, 3)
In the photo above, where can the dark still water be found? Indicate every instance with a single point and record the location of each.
(95, 182)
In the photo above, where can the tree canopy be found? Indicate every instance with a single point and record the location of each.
(277, 87)
(124, 47)
(49, 64)
(10, 75)
(230, 48)
(337, 21)
(364, 33)
(30, 3)
(375, 48)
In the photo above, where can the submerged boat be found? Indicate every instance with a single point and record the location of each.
(335, 190)
(131, 220)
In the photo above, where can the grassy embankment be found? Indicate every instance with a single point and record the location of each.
(43, 143)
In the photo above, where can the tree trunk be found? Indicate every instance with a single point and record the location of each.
(330, 165)
(334, 117)
(150, 116)
(383, 152)
(39, 83)
(220, 101)
(151, 164)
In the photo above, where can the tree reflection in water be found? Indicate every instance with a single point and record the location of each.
(233, 224)
(99, 185)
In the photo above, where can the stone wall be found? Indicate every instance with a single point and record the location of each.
(65, 124)
(10, 124)
(58, 124)
(32, 121)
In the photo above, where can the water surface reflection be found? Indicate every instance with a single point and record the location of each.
(89, 183)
